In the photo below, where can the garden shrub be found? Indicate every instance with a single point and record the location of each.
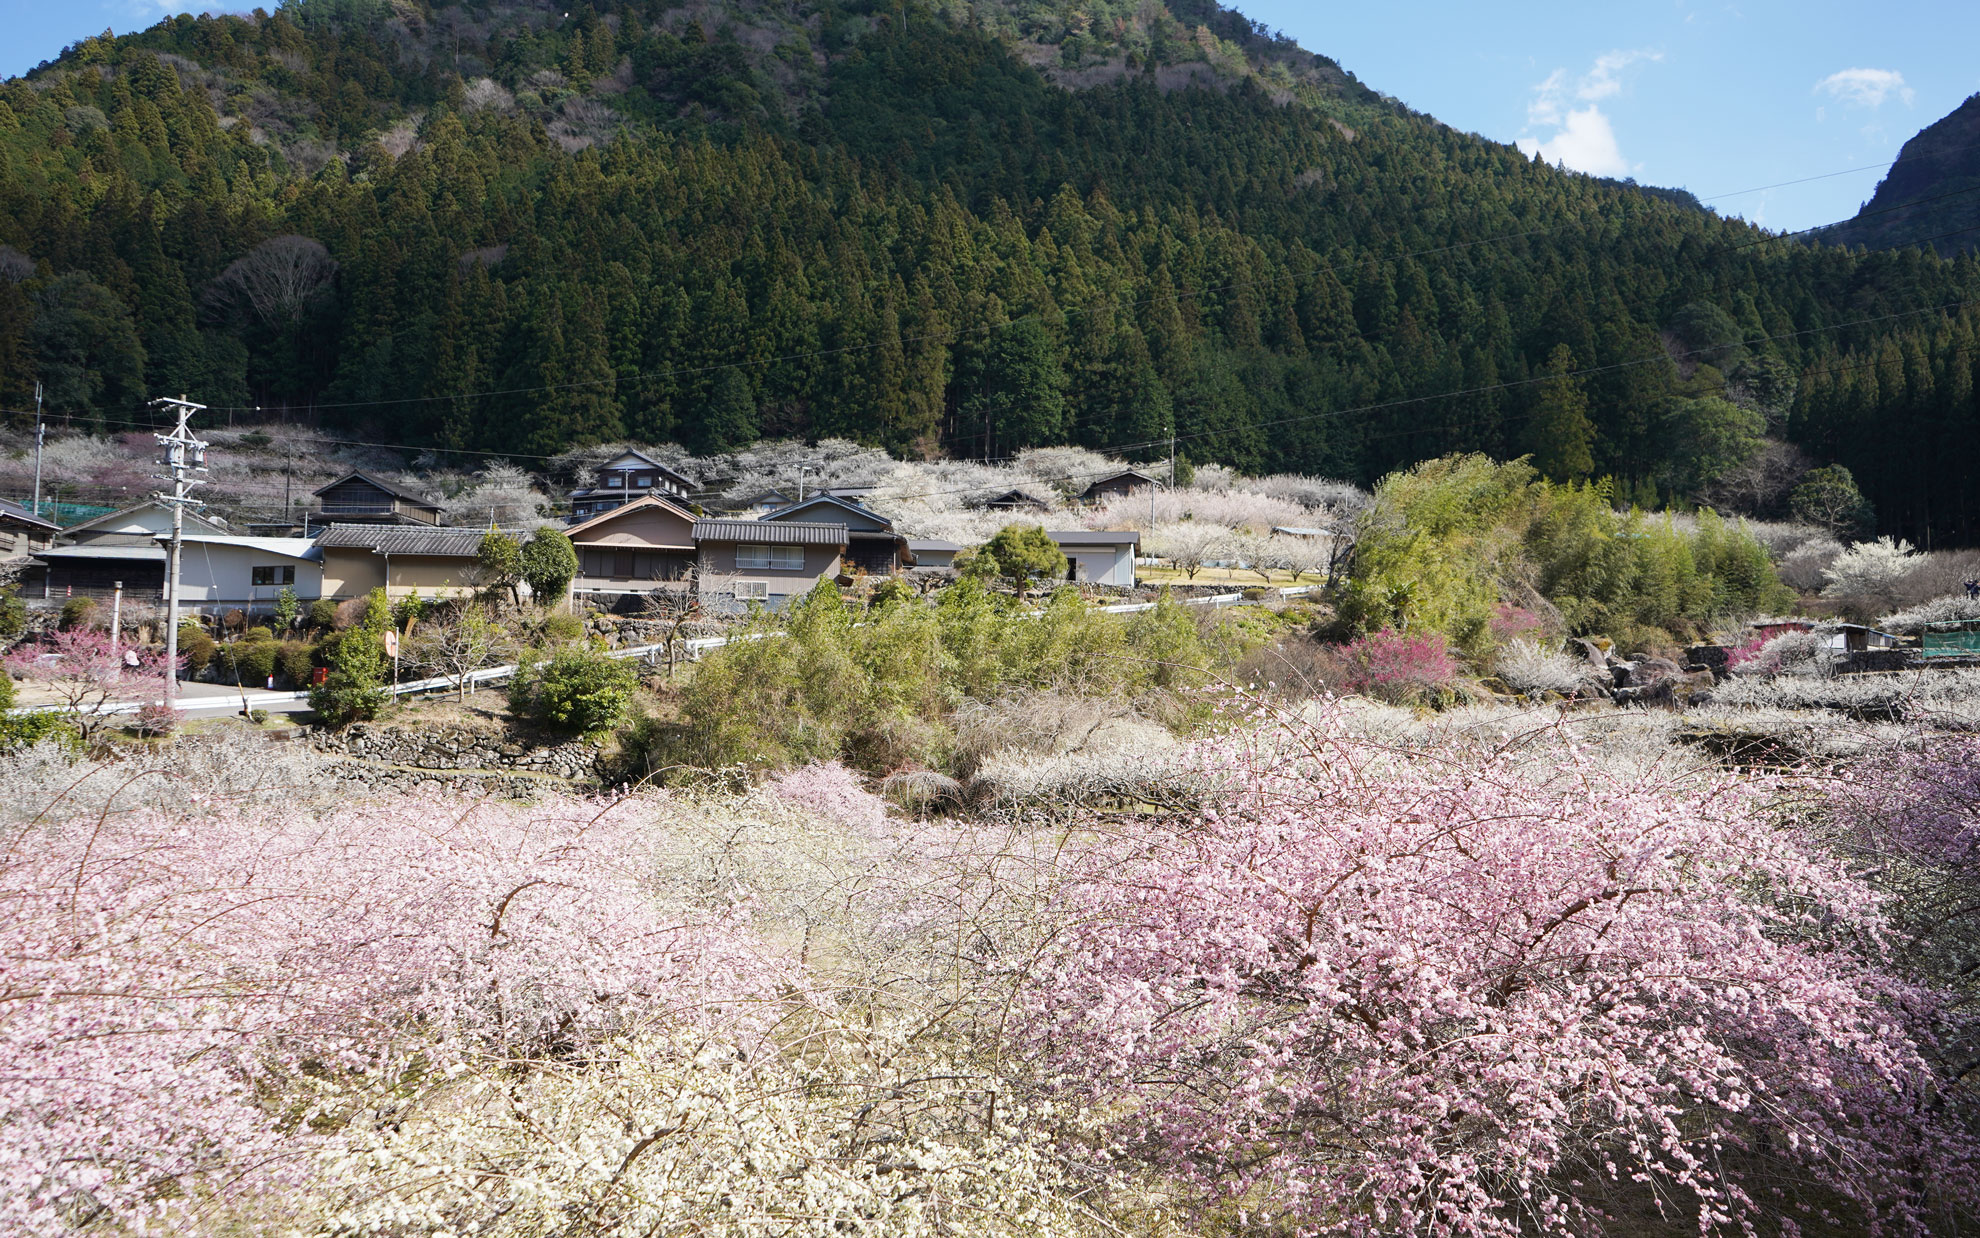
(296, 660)
(195, 647)
(323, 614)
(548, 563)
(78, 612)
(13, 614)
(576, 690)
(248, 661)
(22, 730)
(354, 690)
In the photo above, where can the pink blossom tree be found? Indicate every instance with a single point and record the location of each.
(1391, 993)
(85, 672)
(210, 1000)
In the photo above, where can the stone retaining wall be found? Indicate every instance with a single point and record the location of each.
(479, 784)
(458, 749)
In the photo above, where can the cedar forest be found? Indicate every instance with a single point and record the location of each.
(485, 226)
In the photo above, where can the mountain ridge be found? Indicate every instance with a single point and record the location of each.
(1931, 193)
(524, 231)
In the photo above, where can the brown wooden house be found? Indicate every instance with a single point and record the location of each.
(361, 498)
(625, 478)
(639, 547)
(22, 532)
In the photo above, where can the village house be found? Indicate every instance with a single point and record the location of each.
(246, 573)
(1016, 500)
(1104, 557)
(642, 546)
(360, 498)
(432, 562)
(90, 559)
(871, 545)
(22, 532)
(624, 478)
(766, 561)
(1118, 485)
(933, 552)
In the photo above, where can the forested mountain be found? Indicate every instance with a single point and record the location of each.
(1931, 195)
(956, 227)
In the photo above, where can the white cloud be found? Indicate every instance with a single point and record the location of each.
(1583, 138)
(1866, 87)
(1585, 142)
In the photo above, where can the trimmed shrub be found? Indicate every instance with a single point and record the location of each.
(576, 690)
(323, 614)
(23, 730)
(195, 647)
(78, 613)
(295, 660)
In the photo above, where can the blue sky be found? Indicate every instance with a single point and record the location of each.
(1714, 97)
(1718, 98)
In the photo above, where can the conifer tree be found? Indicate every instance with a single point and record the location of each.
(1558, 432)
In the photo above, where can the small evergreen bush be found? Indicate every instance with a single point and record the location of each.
(576, 690)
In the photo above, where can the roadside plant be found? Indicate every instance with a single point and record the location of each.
(576, 690)
(354, 690)
(84, 672)
(287, 607)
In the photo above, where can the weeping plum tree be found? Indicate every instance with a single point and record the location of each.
(1472, 995)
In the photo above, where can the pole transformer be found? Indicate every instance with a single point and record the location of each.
(184, 456)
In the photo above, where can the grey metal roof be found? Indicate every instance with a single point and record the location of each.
(1089, 537)
(1123, 475)
(770, 532)
(831, 502)
(143, 554)
(399, 539)
(391, 488)
(15, 511)
(932, 544)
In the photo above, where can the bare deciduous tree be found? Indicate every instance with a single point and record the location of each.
(278, 278)
(456, 650)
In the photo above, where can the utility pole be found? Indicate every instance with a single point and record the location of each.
(184, 455)
(40, 433)
(117, 621)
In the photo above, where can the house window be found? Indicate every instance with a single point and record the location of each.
(645, 479)
(769, 558)
(752, 591)
(615, 481)
(275, 575)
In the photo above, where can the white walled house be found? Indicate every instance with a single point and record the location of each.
(247, 572)
(1104, 557)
